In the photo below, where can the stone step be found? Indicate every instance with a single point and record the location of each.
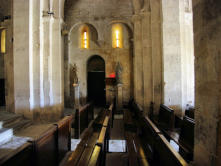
(5, 135)
(7, 117)
(18, 125)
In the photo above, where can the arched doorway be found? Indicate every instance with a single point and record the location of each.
(96, 80)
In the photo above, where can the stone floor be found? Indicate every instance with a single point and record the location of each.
(117, 144)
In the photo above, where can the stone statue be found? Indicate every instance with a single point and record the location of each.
(75, 76)
(119, 70)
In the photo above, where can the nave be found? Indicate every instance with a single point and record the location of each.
(105, 137)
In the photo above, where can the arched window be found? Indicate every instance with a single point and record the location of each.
(3, 41)
(117, 36)
(85, 37)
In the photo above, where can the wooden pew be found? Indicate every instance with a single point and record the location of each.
(190, 112)
(99, 153)
(166, 118)
(83, 116)
(20, 157)
(45, 148)
(64, 136)
(136, 156)
(158, 149)
(93, 146)
(98, 122)
(186, 138)
(48, 149)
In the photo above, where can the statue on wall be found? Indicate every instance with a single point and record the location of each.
(119, 71)
(75, 76)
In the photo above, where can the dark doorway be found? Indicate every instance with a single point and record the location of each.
(96, 80)
(2, 92)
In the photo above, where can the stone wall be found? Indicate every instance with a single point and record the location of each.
(7, 58)
(207, 39)
(99, 17)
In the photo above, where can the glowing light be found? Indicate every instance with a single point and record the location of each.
(117, 39)
(3, 42)
(85, 39)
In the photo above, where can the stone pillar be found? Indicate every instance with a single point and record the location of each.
(147, 60)
(119, 97)
(156, 38)
(21, 50)
(76, 96)
(138, 61)
(207, 39)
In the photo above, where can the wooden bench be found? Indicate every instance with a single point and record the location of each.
(155, 145)
(45, 148)
(166, 118)
(20, 157)
(83, 116)
(93, 146)
(190, 112)
(186, 138)
(48, 149)
(98, 156)
(136, 156)
(63, 136)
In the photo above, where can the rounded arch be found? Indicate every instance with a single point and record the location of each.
(96, 80)
(90, 26)
(128, 25)
(96, 63)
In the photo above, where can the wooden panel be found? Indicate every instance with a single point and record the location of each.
(166, 117)
(45, 148)
(64, 136)
(20, 157)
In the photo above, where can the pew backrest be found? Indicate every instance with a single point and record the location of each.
(45, 148)
(166, 117)
(64, 136)
(187, 133)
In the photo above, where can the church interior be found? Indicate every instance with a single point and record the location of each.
(110, 82)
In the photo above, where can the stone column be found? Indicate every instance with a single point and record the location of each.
(119, 96)
(21, 50)
(147, 60)
(156, 38)
(138, 60)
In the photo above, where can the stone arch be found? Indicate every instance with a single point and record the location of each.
(100, 59)
(96, 80)
(75, 32)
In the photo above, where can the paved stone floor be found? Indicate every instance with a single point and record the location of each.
(117, 144)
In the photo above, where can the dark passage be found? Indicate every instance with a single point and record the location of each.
(96, 87)
(2, 92)
(96, 80)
